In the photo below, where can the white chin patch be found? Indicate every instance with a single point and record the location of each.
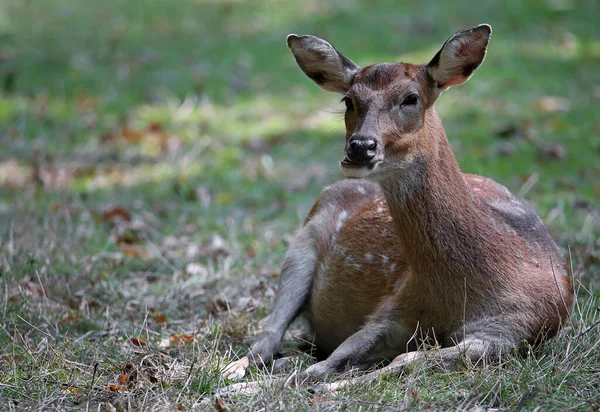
(357, 172)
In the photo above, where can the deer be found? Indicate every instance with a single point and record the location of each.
(407, 252)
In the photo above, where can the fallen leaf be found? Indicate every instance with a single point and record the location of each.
(132, 135)
(71, 390)
(133, 250)
(123, 378)
(137, 341)
(160, 319)
(179, 339)
(70, 318)
(115, 213)
(115, 388)
(220, 405)
(221, 305)
(14, 298)
(155, 127)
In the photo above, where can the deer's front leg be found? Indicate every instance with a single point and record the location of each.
(360, 350)
(468, 352)
(297, 274)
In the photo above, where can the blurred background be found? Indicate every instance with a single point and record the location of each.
(159, 154)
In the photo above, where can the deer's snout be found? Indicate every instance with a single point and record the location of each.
(361, 149)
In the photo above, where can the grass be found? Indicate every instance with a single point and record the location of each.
(156, 158)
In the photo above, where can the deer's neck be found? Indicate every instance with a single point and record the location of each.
(444, 232)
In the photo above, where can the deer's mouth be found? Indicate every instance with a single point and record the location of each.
(354, 170)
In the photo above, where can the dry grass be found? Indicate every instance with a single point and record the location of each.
(156, 161)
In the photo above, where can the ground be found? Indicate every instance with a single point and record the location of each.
(156, 158)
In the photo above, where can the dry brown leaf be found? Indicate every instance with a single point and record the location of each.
(182, 338)
(133, 250)
(155, 127)
(70, 391)
(160, 319)
(221, 305)
(220, 405)
(70, 318)
(14, 298)
(115, 388)
(137, 342)
(123, 378)
(114, 213)
(132, 135)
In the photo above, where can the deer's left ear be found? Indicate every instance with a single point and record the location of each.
(459, 57)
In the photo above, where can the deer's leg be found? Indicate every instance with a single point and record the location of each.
(297, 274)
(360, 350)
(472, 350)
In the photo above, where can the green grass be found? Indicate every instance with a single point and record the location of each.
(192, 117)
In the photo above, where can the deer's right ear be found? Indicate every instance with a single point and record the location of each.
(320, 61)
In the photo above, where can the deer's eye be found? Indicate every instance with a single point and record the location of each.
(348, 102)
(410, 100)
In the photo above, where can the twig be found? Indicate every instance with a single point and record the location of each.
(92, 382)
(588, 328)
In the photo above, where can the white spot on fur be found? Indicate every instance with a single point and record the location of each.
(341, 219)
(385, 259)
(368, 257)
(361, 190)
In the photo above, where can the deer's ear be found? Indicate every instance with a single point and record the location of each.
(459, 57)
(320, 61)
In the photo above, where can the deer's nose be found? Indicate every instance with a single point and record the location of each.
(361, 149)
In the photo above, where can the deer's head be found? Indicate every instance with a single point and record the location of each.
(389, 115)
